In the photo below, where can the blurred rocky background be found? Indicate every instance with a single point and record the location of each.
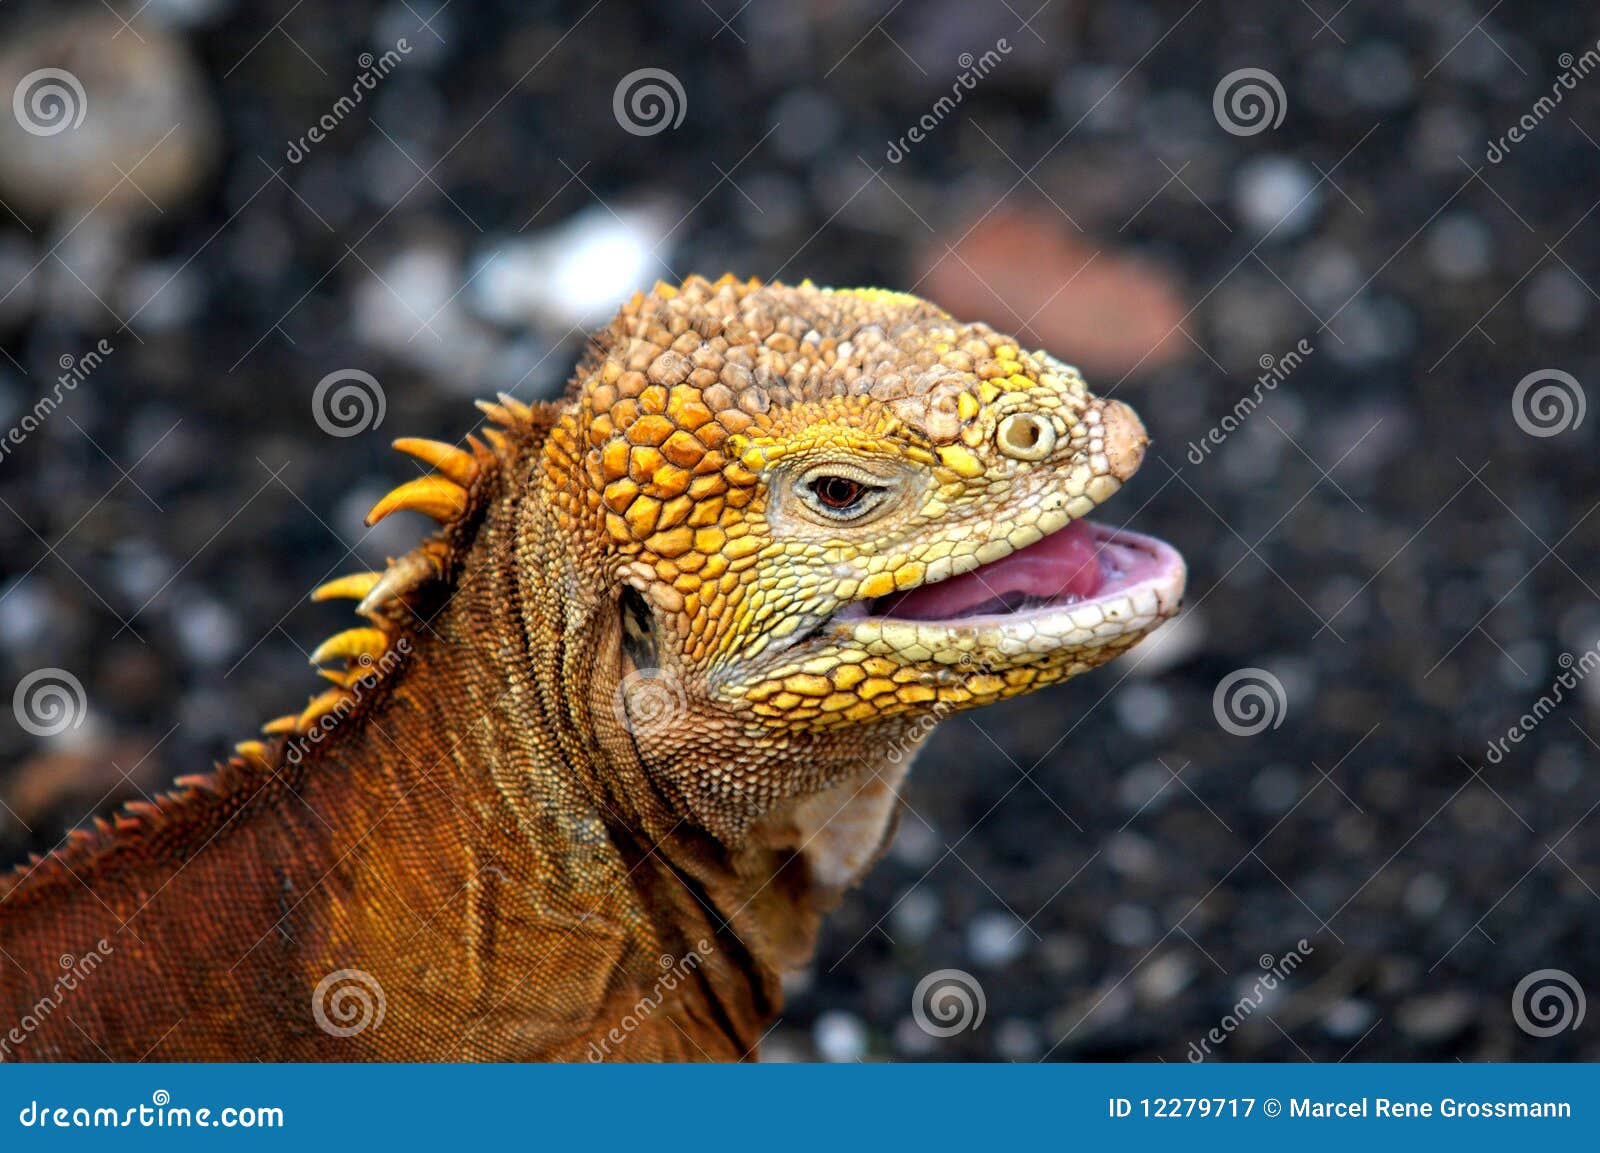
(1392, 542)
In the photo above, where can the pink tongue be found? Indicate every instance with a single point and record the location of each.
(1062, 566)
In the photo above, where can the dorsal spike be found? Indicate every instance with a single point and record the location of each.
(455, 463)
(436, 496)
(519, 411)
(409, 572)
(320, 706)
(352, 586)
(498, 413)
(277, 726)
(352, 645)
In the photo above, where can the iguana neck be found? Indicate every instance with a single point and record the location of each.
(543, 725)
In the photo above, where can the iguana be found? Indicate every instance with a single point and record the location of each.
(609, 745)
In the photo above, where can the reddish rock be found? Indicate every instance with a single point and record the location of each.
(1031, 273)
(74, 782)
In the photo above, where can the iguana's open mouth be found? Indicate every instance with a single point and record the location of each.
(1082, 564)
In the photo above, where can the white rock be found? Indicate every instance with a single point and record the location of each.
(839, 1036)
(1277, 194)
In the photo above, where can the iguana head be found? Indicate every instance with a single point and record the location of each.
(825, 514)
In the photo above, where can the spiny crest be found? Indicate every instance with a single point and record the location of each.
(357, 654)
(384, 598)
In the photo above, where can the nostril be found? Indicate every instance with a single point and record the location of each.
(1125, 438)
(1026, 436)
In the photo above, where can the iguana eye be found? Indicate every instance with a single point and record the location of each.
(839, 492)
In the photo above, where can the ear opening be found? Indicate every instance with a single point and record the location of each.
(638, 630)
